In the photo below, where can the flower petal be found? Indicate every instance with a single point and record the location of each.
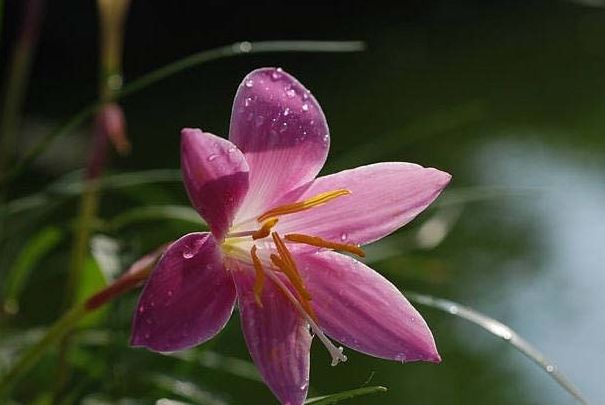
(277, 336)
(216, 177)
(384, 197)
(282, 131)
(363, 310)
(188, 298)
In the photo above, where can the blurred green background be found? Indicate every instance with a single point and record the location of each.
(507, 96)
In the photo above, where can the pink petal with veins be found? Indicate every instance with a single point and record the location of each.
(384, 197)
(215, 174)
(363, 310)
(282, 131)
(277, 336)
(188, 298)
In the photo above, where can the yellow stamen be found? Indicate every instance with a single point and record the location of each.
(315, 201)
(285, 263)
(259, 282)
(319, 242)
(265, 230)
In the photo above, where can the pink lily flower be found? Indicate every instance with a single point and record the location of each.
(277, 233)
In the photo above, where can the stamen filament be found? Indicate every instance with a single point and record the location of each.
(335, 352)
(288, 265)
(259, 281)
(315, 201)
(265, 230)
(284, 262)
(319, 242)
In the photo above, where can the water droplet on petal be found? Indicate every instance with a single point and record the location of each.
(249, 83)
(284, 127)
(550, 368)
(141, 309)
(304, 386)
(305, 107)
(286, 112)
(343, 236)
(290, 93)
(212, 157)
(305, 96)
(276, 75)
(170, 293)
(453, 309)
(248, 101)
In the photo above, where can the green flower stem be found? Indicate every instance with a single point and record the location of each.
(132, 278)
(238, 48)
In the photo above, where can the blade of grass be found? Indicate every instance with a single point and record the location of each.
(37, 247)
(238, 48)
(502, 331)
(334, 398)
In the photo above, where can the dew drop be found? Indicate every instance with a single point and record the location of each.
(343, 236)
(290, 93)
(248, 101)
(187, 254)
(401, 357)
(141, 309)
(550, 368)
(284, 127)
(231, 149)
(305, 96)
(245, 46)
(212, 157)
(303, 386)
(170, 293)
(286, 112)
(453, 309)
(276, 75)
(305, 107)
(249, 83)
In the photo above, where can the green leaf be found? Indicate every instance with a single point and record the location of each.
(334, 398)
(154, 213)
(37, 247)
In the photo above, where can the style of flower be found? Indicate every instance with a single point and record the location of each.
(276, 242)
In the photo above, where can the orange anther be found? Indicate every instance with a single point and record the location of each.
(265, 230)
(315, 201)
(319, 242)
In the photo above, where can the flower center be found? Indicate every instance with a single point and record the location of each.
(242, 245)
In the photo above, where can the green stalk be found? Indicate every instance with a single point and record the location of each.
(112, 16)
